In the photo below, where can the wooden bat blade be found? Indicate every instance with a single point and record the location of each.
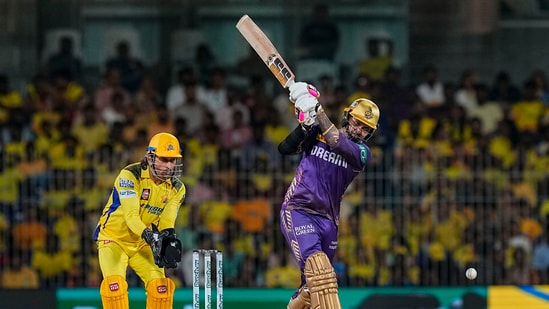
(265, 49)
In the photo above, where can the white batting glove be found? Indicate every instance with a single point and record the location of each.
(299, 89)
(305, 109)
(306, 103)
(305, 118)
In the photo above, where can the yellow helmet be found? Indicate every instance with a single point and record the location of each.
(364, 111)
(164, 145)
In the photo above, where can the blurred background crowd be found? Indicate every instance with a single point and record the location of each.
(459, 175)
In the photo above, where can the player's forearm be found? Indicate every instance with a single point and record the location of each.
(327, 127)
(133, 221)
(292, 143)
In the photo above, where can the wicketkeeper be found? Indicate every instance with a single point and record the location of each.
(136, 228)
(330, 159)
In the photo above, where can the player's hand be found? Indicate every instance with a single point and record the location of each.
(306, 119)
(152, 237)
(299, 89)
(171, 248)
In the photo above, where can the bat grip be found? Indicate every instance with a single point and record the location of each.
(289, 83)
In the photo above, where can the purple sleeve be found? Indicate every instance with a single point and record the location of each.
(355, 154)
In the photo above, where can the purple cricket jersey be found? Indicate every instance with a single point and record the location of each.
(324, 174)
(310, 211)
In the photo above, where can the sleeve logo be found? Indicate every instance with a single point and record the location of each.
(125, 183)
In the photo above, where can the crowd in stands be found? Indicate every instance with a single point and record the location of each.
(458, 177)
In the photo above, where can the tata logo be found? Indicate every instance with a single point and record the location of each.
(161, 289)
(113, 287)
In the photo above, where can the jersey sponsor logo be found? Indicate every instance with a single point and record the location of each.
(145, 194)
(125, 183)
(329, 156)
(127, 194)
(113, 287)
(304, 229)
(161, 289)
(363, 153)
(153, 209)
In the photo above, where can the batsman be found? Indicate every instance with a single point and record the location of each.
(136, 228)
(330, 159)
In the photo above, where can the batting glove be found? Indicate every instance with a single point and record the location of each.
(299, 89)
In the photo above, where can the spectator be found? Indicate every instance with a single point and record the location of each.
(10, 100)
(430, 91)
(466, 96)
(65, 60)
(19, 274)
(110, 84)
(319, 38)
(176, 96)
(131, 69)
(31, 232)
(89, 131)
(487, 111)
(504, 91)
(192, 109)
(380, 58)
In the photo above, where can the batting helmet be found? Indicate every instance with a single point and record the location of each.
(366, 113)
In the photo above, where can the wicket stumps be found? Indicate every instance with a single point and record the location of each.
(207, 254)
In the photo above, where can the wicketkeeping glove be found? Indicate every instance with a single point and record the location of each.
(170, 251)
(152, 237)
(165, 246)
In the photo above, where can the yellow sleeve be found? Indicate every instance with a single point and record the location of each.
(127, 186)
(169, 215)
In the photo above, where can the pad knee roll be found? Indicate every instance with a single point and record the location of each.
(114, 293)
(160, 293)
(321, 281)
(301, 301)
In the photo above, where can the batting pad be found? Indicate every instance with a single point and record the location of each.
(301, 301)
(160, 293)
(114, 293)
(322, 282)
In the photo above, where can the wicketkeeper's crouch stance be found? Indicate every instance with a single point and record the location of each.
(331, 159)
(136, 228)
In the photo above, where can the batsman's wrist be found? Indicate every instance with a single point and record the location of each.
(318, 108)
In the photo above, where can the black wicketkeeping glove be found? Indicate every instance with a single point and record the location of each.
(152, 237)
(171, 248)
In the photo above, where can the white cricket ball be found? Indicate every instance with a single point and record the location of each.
(471, 273)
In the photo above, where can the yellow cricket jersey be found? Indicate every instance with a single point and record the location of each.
(135, 203)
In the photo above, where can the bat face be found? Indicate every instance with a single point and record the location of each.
(265, 50)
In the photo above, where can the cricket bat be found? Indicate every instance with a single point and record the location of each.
(266, 50)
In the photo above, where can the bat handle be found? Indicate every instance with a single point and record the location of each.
(289, 83)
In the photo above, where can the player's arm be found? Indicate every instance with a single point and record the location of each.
(169, 214)
(126, 186)
(327, 127)
(292, 143)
